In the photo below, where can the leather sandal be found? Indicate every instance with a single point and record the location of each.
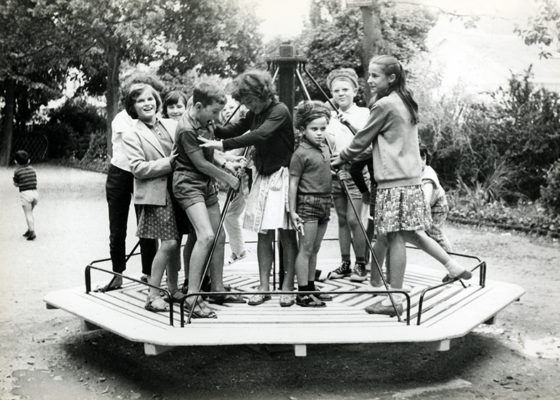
(258, 299)
(199, 311)
(156, 304)
(226, 298)
(112, 285)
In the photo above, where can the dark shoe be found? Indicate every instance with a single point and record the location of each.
(226, 298)
(31, 236)
(144, 278)
(359, 274)
(27, 232)
(379, 308)
(114, 284)
(308, 300)
(342, 271)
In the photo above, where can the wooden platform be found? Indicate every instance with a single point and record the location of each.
(448, 312)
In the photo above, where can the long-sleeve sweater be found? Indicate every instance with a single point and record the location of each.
(271, 132)
(396, 155)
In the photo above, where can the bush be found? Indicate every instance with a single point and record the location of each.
(70, 127)
(550, 192)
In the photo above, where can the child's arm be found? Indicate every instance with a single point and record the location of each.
(292, 198)
(232, 129)
(366, 136)
(140, 167)
(16, 180)
(209, 169)
(428, 190)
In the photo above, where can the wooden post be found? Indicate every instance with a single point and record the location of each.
(287, 63)
(372, 33)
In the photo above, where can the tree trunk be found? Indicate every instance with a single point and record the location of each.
(7, 123)
(371, 41)
(112, 95)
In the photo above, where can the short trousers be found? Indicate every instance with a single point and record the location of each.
(188, 191)
(312, 207)
(29, 198)
(353, 190)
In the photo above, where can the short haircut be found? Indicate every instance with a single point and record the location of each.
(135, 91)
(308, 111)
(22, 157)
(255, 83)
(207, 93)
(171, 98)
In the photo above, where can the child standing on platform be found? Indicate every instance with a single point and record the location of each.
(25, 178)
(400, 212)
(271, 132)
(195, 190)
(310, 196)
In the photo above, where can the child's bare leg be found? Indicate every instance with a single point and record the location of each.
(305, 253)
(187, 252)
(217, 260)
(430, 246)
(198, 215)
(344, 235)
(265, 256)
(161, 260)
(321, 229)
(358, 239)
(380, 250)
(28, 212)
(289, 252)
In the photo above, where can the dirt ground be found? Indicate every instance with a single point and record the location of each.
(44, 354)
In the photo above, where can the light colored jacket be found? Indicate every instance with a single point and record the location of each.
(396, 154)
(148, 162)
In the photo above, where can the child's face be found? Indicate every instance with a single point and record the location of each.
(176, 111)
(208, 113)
(146, 106)
(229, 108)
(315, 130)
(377, 80)
(343, 93)
(254, 104)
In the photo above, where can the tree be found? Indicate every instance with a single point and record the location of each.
(332, 38)
(543, 30)
(217, 37)
(31, 66)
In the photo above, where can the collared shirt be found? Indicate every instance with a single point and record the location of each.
(188, 130)
(312, 165)
(163, 137)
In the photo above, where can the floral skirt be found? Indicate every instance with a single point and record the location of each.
(401, 209)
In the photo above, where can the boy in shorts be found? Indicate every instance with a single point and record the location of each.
(194, 189)
(310, 197)
(25, 178)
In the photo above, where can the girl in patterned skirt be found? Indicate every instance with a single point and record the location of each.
(401, 215)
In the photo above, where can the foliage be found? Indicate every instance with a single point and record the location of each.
(332, 38)
(550, 192)
(543, 30)
(220, 37)
(70, 127)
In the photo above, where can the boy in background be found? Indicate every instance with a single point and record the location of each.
(25, 178)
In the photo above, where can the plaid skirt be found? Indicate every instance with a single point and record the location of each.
(401, 209)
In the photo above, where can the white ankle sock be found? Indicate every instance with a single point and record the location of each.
(454, 268)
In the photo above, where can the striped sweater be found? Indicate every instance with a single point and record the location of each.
(25, 178)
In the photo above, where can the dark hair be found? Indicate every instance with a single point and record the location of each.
(207, 93)
(141, 77)
(255, 83)
(424, 152)
(390, 65)
(171, 98)
(308, 111)
(22, 157)
(134, 92)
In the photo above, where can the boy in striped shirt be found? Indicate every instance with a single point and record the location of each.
(25, 179)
